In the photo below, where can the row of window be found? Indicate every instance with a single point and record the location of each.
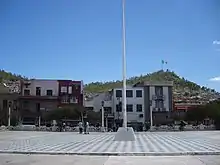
(129, 108)
(129, 93)
(49, 92)
(69, 89)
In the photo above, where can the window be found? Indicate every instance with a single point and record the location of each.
(64, 99)
(138, 93)
(38, 91)
(129, 93)
(26, 92)
(139, 107)
(77, 87)
(118, 93)
(159, 90)
(49, 92)
(70, 90)
(73, 100)
(129, 108)
(118, 108)
(159, 104)
(63, 89)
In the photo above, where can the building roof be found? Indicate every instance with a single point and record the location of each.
(153, 83)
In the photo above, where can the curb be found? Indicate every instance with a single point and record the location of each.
(112, 153)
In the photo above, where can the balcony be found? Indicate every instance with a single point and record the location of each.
(31, 97)
(158, 97)
(159, 109)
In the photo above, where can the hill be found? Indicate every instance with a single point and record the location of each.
(184, 90)
(9, 76)
(182, 87)
(179, 82)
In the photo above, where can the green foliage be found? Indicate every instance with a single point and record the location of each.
(211, 111)
(155, 76)
(9, 76)
(72, 113)
(67, 112)
(96, 87)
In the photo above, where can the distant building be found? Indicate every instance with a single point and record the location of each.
(8, 98)
(159, 99)
(70, 92)
(41, 95)
(135, 105)
(141, 99)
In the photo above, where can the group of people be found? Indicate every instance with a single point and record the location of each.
(84, 127)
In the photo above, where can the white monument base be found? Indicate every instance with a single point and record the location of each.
(125, 134)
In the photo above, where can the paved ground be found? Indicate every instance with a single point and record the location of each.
(156, 143)
(105, 160)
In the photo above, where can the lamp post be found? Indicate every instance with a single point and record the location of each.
(103, 116)
(9, 114)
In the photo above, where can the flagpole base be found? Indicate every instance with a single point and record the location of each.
(125, 134)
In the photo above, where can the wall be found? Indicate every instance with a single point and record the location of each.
(96, 102)
(131, 116)
(150, 103)
(45, 85)
(76, 91)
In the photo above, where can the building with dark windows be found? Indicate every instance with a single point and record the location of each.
(158, 98)
(70, 92)
(41, 95)
(135, 106)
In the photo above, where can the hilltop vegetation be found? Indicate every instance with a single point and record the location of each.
(96, 87)
(9, 76)
(179, 82)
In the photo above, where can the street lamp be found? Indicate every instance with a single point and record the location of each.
(9, 114)
(103, 116)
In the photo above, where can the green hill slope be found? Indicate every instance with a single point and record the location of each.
(179, 82)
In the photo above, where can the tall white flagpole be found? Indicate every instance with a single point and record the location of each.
(124, 102)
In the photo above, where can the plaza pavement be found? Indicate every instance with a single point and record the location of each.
(147, 143)
(10, 159)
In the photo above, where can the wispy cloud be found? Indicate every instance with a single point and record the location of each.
(216, 42)
(215, 79)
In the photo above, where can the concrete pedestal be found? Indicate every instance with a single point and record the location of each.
(125, 134)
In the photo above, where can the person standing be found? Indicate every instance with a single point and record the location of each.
(64, 127)
(80, 127)
(87, 127)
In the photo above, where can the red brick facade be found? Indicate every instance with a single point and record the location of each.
(70, 92)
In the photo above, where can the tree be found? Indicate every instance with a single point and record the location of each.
(72, 112)
(65, 112)
(210, 110)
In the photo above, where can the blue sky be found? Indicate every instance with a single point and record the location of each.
(81, 39)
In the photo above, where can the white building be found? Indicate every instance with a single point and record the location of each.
(142, 98)
(135, 104)
(41, 88)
